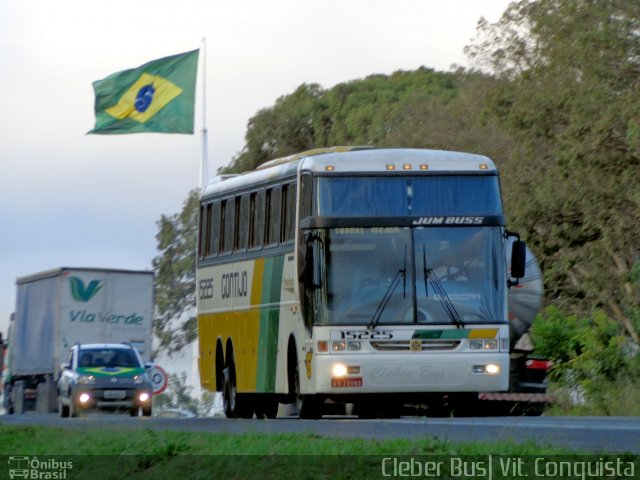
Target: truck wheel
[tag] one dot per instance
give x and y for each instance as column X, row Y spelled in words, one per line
column 309, row 406
column 266, row 407
column 366, row 410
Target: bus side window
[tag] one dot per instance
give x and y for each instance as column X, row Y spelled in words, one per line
column 272, row 217
column 288, row 213
column 222, row 229
column 207, row 230
column 241, row 233
column 229, row 227
column 305, row 195
column 214, row 226
column 201, row 234
column 256, row 203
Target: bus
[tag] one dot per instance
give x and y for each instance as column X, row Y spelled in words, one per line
column 371, row 277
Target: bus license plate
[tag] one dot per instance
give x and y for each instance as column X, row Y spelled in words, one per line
column 114, row 394
column 346, row 382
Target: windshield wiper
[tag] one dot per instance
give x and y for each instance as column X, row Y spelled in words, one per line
column 389, row 293
column 443, row 298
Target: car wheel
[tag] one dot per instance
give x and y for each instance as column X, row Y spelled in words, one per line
column 73, row 410
column 63, row 410
column 133, row 411
column 146, row 411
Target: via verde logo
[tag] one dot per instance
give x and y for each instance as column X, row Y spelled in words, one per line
column 82, row 293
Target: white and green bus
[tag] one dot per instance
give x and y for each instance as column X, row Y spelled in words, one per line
column 372, row 277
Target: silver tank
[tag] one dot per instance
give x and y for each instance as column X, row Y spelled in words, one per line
column 525, row 299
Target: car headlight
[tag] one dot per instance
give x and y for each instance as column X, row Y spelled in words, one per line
column 86, row 379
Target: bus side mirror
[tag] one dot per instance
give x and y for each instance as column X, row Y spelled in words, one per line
column 518, row 259
column 312, row 269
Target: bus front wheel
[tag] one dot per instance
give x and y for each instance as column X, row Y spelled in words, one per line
column 309, row 406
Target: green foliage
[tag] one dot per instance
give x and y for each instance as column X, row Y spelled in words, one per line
column 569, row 98
column 175, row 271
column 592, row 354
column 421, row 108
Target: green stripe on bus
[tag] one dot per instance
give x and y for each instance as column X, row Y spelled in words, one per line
column 269, row 323
column 456, row 334
column 449, row 334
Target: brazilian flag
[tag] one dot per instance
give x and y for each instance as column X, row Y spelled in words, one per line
column 155, row 97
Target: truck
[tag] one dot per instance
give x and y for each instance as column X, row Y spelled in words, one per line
column 528, row 381
column 62, row 307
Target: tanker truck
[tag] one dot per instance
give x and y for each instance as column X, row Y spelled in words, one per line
column 59, row 308
column 528, row 380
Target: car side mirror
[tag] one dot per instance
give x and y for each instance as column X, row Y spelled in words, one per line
column 65, row 366
column 148, row 365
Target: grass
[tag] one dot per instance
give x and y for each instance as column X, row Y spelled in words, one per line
column 609, row 399
column 144, row 453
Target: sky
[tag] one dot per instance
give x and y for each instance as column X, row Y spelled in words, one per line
column 76, row 200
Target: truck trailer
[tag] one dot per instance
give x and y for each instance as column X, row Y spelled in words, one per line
column 59, row 308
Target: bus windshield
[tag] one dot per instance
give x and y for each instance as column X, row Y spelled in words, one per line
column 408, row 196
column 378, row 276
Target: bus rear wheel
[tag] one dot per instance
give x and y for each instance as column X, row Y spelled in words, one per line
column 235, row 405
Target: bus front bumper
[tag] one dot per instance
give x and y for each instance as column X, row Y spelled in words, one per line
column 410, row 373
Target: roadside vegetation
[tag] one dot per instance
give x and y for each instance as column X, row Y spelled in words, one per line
column 144, row 453
column 553, row 98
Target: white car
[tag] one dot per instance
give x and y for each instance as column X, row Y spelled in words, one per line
column 104, row 376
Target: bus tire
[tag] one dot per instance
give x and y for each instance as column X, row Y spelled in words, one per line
column 309, row 406
column 235, row 405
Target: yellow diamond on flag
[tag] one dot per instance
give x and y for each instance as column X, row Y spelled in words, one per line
column 146, row 97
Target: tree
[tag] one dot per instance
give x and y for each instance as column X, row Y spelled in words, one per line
column 175, row 272
column 180, row 395
column 570, row 98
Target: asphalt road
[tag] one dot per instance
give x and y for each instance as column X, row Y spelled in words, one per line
column 588, row 434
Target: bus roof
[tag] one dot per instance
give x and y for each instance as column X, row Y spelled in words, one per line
column 357, row 160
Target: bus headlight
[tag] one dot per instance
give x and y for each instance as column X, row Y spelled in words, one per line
column 492, row 369
column 340, row 346
column 339, row 370
column 478, row 344
column 489, row 369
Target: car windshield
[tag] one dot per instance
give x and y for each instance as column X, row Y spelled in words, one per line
column 107, row 357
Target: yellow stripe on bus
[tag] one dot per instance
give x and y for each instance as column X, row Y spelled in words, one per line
column 483, row 333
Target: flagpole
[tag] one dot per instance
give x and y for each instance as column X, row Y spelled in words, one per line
column 204, row 164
